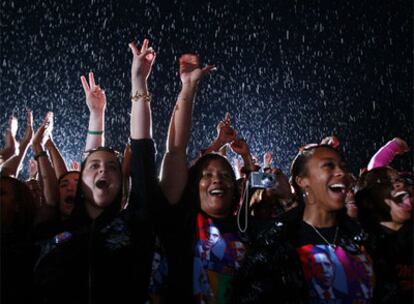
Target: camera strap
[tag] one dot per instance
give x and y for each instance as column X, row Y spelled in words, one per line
column 244, row 209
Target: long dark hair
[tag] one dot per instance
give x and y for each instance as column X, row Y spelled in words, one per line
column 79, row 209
column 24, row 206
column 195, row 174
column 373, row 187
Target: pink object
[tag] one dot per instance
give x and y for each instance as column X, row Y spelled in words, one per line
column 384, row 155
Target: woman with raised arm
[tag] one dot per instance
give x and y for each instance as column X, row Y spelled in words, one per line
column 385, row 209
column 385, row 155
column 104, row 253
column 200, row 233
column 96, row 102
column 313, row 253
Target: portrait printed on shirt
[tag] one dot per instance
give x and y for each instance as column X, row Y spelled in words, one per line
column 335, row 276
column 217, row 258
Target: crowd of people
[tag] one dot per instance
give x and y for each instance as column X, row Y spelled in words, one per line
column 114, row 229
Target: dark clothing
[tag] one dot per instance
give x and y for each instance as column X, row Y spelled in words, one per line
column 178, row 235
column 392, row 252
column 108, row 259
column 17, row 259
column 272, row 271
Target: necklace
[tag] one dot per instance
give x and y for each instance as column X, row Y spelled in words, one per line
column 333, row 244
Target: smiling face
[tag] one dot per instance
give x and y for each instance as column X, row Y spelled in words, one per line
column 101, row 179
column 67, row 192
column 400, row 202
column 325, row 180
column 216, row 189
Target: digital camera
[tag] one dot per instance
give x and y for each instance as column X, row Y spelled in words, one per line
column 262, row 180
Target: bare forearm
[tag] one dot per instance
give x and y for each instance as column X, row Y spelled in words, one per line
column 141, row 110
column 47, row 175
column 180, row 125
column 248, row 162
column 57, row 159
column 215, row 146
column 95, row 137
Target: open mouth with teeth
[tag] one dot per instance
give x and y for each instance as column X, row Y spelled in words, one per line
column 402, row 198
column 338, row 188
column 102, row 184
column 216, row 192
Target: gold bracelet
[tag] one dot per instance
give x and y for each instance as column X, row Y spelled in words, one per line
column 137, row 96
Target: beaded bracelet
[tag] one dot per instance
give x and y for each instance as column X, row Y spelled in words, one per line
column 95, row 132
column 137, row 96
column 40, row 154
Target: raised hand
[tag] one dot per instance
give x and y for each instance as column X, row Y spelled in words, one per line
column 283, row 187
column 190, row 70
column 267, row 159
column 13, row 125
column 42, row 134
column 142, row 61
column 225, row 133
column 95, row 96
column 403, row 145
column 33, row 169
column 28, row 134
column 11, row 145
column 240, row 146
column 332, row 141
column 74, row 166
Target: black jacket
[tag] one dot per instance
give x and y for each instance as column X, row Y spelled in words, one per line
column 392, row 252
column 271, row 271
column 106, row 260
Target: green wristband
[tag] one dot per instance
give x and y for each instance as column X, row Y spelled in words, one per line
column 95, row 132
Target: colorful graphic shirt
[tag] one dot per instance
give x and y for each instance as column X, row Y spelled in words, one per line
column 333, row 274
column 218, row 254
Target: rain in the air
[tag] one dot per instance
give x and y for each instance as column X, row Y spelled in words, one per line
column 287, row 74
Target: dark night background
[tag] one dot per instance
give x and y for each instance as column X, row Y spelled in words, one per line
column 289, row 72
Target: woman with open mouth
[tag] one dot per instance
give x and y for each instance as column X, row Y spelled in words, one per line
column 104, row 253
column 200, row 233
column 314, row 253
column 385, row 204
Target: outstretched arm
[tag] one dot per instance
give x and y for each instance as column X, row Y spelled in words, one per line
column 386, row 153
column 96, row 102
column 174, row 166
column 240, row 146
column 57, row 159
column 142, row 156
column 141, row 111
column 47, row 174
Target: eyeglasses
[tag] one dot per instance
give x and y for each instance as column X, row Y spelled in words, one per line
column 104, row 149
